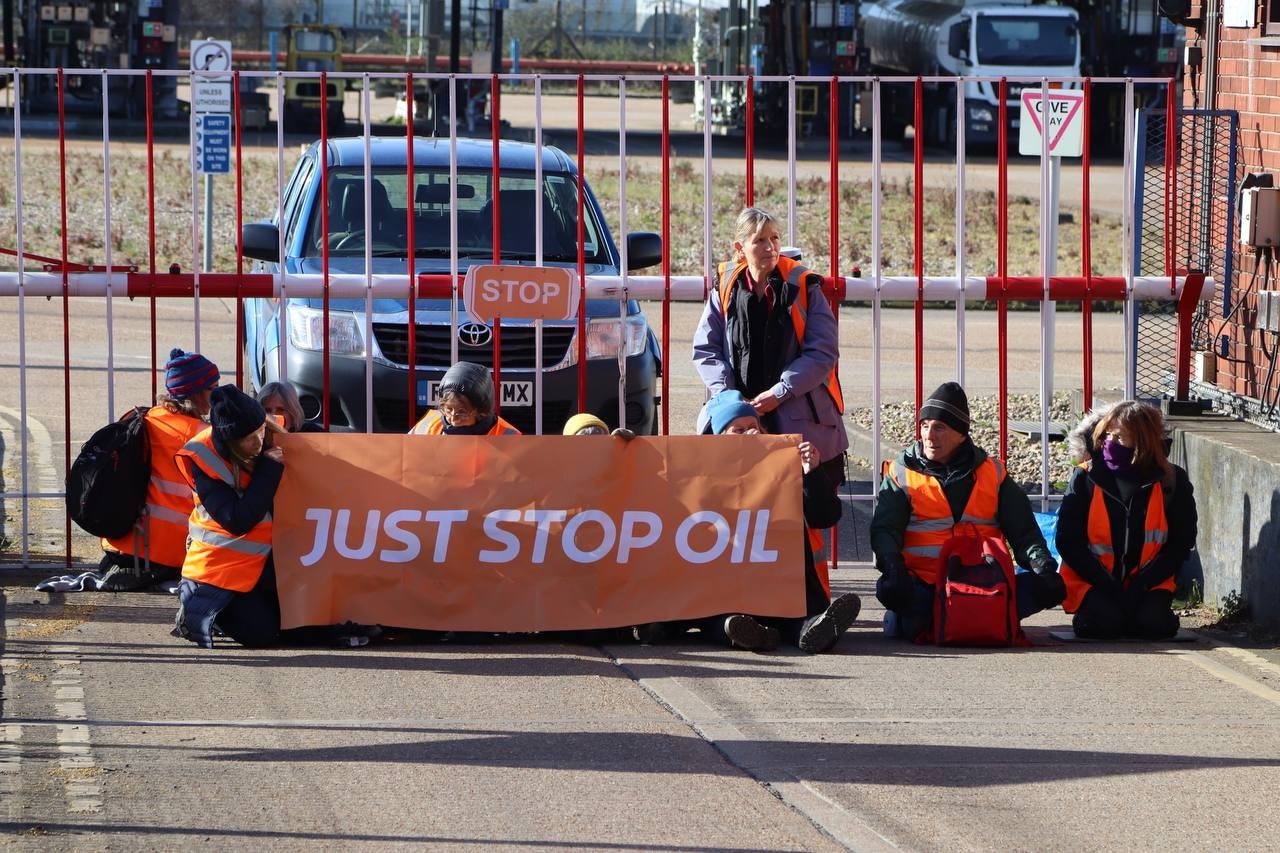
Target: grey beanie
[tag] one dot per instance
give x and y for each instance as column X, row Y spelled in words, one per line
column 473, row 381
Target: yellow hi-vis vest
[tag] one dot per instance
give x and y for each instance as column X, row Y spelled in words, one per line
column 163, row 535
column 1098, row 529
column 794, row 272
column 214, row 555
column 932, row 524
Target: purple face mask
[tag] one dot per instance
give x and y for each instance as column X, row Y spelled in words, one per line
column 1116, row 456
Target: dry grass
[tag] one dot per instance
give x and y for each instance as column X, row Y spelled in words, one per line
column 42, row 180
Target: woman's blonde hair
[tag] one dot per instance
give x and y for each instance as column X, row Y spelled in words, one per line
column 185, row 406
column 289, row 397
column 749, row 223
column 1145, row 426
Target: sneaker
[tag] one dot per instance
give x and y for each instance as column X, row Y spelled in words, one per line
column 745, row 632
column 821, row 632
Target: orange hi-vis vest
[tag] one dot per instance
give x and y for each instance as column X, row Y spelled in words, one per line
column 1098, row 529
column 214, row 555
column 794, row 272
column 932, row 523
column 432, row 423
column 161, row 533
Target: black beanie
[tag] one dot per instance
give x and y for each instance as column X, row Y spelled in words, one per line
column 948, row 404
column 473, row 381
column 233, row 413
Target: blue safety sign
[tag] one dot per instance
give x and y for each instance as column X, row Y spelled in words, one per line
column 213, row 143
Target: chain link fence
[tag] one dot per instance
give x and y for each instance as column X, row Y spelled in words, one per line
column 1203, row 221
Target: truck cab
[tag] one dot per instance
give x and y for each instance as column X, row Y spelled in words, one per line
column 312, row 47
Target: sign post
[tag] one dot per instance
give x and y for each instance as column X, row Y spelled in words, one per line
column 210, row 122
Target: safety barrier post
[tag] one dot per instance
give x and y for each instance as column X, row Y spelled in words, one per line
column 622, row 267
column 151, row 223
column 106, row 241
column 66, row 302
column 918, row 224
column 666, row 256
column 324, row 236
column 22, row 317
column 960, row 232
column 877, row 271
column 582, row 252
column 1086, row 254
column 750, row 133
column 411, row 251
column 833, row 200
column 538, row 225
column 497, row 237
column 365, row 104
column 1170, row 169
column 1188, row 301
column 1002, row 263
column 237, row 113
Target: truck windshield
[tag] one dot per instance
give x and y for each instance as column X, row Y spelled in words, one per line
column 473, row 200
column 1026, row 40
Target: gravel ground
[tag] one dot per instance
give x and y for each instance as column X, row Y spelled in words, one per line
column 897, row 426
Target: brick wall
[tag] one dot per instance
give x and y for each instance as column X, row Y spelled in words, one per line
column 1248, row 78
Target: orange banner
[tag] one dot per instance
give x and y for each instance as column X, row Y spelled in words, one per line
column 536, row 533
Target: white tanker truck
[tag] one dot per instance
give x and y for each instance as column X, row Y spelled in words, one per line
column 975, row 39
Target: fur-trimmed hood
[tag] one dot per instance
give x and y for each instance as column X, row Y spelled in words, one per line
column 1081, row 439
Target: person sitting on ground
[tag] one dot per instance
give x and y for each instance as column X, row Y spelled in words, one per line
column 936, row 488
column 465, row 405
column 827, row 619
column 281, row 401
column 228, row 575
column 154, row 552
column 1127, row 523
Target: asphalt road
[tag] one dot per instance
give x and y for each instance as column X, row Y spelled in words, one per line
column 117, row 736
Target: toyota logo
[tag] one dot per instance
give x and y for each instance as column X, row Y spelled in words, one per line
column 474, row 334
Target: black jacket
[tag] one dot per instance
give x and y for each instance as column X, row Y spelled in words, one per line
column 238, row 512
column 1128, row 524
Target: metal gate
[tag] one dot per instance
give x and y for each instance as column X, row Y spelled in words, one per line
column 1194, row 232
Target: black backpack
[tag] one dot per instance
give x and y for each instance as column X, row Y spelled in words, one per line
column 107, row 484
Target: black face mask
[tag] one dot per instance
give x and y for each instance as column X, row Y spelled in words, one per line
column 480, row 427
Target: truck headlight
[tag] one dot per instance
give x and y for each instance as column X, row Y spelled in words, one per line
column 981, row 114
column 606, row 337
column 306, row 331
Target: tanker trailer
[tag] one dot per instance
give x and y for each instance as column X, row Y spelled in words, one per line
column 984, row 39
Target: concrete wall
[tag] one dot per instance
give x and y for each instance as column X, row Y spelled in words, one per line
column 1235, row 469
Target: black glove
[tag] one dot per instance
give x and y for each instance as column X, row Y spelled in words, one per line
column 1044, row 565
column 895, row 586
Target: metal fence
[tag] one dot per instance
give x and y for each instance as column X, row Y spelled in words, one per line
column 65, row 303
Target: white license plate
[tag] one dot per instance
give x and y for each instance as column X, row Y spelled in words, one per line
column 514, row 392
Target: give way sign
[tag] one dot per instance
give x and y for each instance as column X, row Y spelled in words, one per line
column 1065, row 111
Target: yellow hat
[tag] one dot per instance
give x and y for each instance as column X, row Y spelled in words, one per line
column 581, row 421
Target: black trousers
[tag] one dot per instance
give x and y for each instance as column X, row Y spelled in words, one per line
column 1147, row 614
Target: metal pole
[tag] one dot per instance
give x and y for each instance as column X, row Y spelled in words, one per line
column 208, row 223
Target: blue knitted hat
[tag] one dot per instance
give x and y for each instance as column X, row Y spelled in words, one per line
column 187, row 373
column 725, row 408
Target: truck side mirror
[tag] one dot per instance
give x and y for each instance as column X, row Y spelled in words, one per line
column 261, row 240
column 644, row 249
column 956, row 43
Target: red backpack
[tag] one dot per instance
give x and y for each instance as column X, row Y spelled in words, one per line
column 975, row 601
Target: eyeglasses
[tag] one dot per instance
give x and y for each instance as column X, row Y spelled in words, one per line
column 453, row 414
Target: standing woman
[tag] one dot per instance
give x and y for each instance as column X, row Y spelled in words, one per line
column 1127, row 523
column 228, row 575
column 768, row 332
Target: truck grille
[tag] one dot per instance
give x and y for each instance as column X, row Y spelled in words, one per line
column 434, row 344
